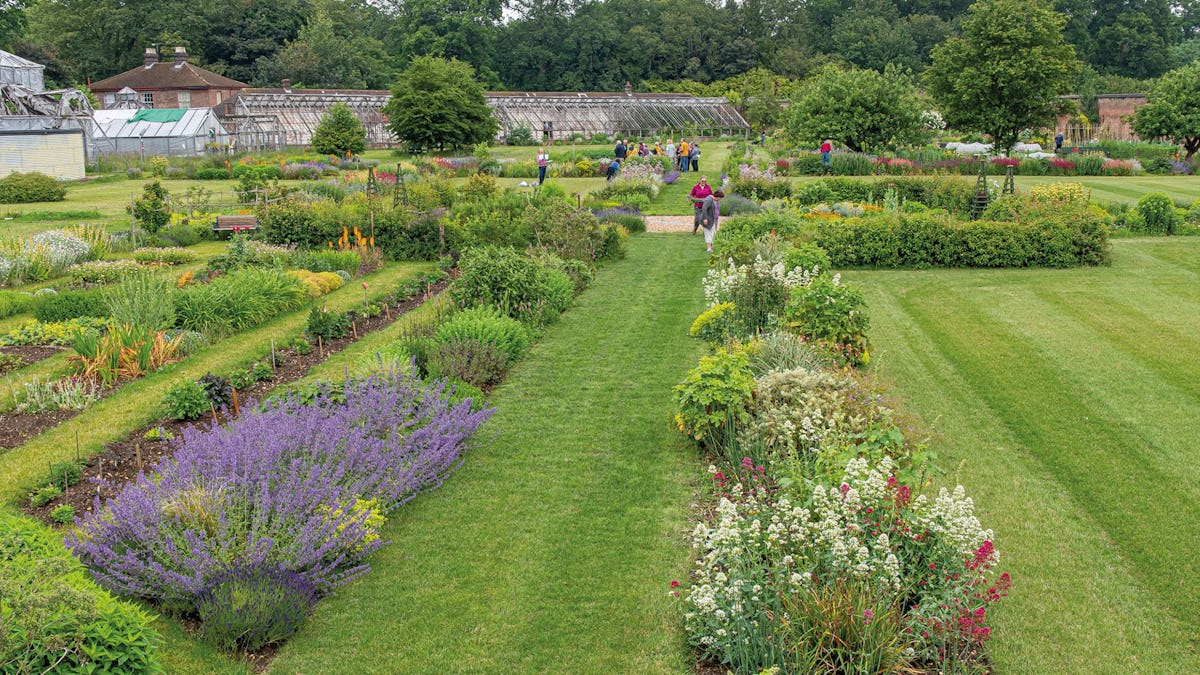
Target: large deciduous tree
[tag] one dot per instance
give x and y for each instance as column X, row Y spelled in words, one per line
column 1006, row 71
column 339, row 132
column 863, row 109
column 438, row 103
column 1172, row 109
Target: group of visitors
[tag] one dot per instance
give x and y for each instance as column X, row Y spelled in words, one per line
column 684, row 157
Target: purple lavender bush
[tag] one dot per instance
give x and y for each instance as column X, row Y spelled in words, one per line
column 294, row 486
column 252, row 607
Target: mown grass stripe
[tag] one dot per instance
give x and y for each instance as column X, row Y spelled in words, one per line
column 551, row 549
column 1072, row 587
column 1107, row 469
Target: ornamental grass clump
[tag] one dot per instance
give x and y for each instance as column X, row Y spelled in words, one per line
column 282, row 487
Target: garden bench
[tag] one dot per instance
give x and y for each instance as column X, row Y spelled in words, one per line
column 231, row 223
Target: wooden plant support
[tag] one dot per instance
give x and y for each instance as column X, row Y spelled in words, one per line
column 236, row 411
column 213, row 408
column 320, row 347
column 387, row 309
column 272, row 353
column 137, row 455
column 354, row 328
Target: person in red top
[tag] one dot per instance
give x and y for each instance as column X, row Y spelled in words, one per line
column 826, row 150
column 699, row 192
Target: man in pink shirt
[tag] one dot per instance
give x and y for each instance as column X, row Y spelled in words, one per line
column 699, row 192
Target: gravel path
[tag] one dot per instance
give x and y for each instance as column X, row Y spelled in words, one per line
column 668, row 223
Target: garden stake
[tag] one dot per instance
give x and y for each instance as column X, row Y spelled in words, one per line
column 100, row 470
column 387, row 309
column 272, row 353
column 354, row 327
column 236, row 412
column 77, row 445
column 320, row 347
column 137, row 454
column 213, row 408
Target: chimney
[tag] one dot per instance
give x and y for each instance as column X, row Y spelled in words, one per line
column 150, row 57
column 628, row 88
column 287, row 84
column 180, row 56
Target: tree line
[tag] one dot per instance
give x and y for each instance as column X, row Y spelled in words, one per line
column 565, row 45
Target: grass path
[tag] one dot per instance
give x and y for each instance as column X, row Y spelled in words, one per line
column 1066, row 403
column 551, row 549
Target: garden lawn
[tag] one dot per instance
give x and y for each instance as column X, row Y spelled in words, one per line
column 1066, row 402
column 552, row 548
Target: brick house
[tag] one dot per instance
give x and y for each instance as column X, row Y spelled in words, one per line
column 159, row 84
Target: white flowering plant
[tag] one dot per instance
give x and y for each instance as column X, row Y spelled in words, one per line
column 764, row 549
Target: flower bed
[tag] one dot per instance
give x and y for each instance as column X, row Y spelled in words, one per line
column 815, row 550
column 296, row 491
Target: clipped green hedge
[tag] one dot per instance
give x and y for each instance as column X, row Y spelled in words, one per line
column 32, row 187
column 53, row 618
column 1069, row 238
column 953, row 193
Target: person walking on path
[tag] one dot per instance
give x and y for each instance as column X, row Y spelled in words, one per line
column 620, row 151
column 1058, row 142
column 710, row 212
column 543, row 161
column 826, row 151
column 658, row 151
column 671, row 151
column 694, row 156
column 699, row 192
column 684, row 152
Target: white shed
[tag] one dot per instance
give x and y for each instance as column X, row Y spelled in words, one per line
column 16, row 70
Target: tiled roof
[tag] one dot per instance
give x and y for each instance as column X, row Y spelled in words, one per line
column 166, row 75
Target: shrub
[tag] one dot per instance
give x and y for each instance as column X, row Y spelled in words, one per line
column 1049, row 236
column 1158, row 213
column 250, row 607
column 516, row 284
column 58, row 620
column 211, row 173
column 468, row 359
column 326, row 325
column 217, row 389
column 238, row 300
column 143, row 300
column 831, row 314
column 327, row 260
column 150, row 210
column 294, row 486
column 807, row 256
column 14, row 303
column 44, row 495
column 716, row 324
column 630, row 219
column 851, row 164
column 814, row 192
column 480, row 187
column 63, row 514
column 714, row 394
column 487, row 324
column 69, row 305
column 186, row 401
column 739, row 234
column 734, row 205
column 26, row 188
